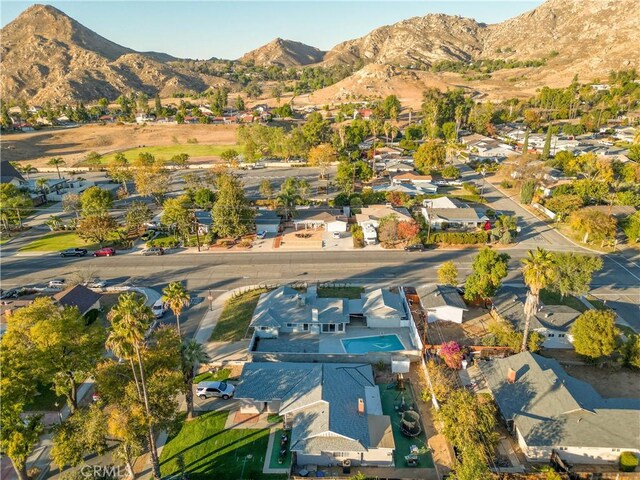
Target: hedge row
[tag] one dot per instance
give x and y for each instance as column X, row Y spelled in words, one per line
column 459, row 238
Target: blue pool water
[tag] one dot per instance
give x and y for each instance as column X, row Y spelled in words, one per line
column 381, row 343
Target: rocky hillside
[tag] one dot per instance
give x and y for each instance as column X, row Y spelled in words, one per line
column 47, row 55
column 416, row 41
column 283, row 53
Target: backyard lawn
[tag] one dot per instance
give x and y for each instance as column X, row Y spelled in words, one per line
column 212, row 377
column 553, row 298
column 165, row 152
column 236, row 315
column 352, row 293
column 210, row 452
column 54, row 242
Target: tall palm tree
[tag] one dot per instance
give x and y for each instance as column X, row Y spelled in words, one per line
column 193, row 354
column 289, row 197
column 56, row 162
column 176, row 297
column 130, row 319
column 27, row 169
column 43, row 186
column 538, row 272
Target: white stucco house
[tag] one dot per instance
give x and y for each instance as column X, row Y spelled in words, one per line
column 383, row 308
column 320, row 219
column 334, row 410
column 442, row 302
column 548, row 410
column 444, row 212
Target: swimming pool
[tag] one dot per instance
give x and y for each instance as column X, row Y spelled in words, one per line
column 380, row 343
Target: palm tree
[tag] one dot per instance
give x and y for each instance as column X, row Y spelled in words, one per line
column 43, row 186
column 56, row 162
column 538, row 272
column 193, row 354
column 289, row 197
column 176, row 297
column 130, row 319
column 28, row 168
column 54, row 223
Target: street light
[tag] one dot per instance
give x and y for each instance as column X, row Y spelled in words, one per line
column 210, row 298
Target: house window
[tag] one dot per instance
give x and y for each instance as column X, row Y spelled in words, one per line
column 341, row 327
column 340, row 454
column 561, row 335
column 329, row 327
column 615, row 449
column 305, row 327
column 291, row 325
column 551, row 335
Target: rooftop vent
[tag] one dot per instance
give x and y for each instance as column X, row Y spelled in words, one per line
column 511, row 375
column 360, row 406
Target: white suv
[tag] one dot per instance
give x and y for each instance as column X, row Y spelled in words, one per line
column 223, row 390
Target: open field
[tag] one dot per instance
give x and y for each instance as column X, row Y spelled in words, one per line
column 73, row 144
column 165, row 152
column 236, row 316
column 54, row 242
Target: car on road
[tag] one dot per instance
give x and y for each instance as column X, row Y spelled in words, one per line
column 153, row 251
column 158, row 309
column 105, row 252
column 57, row 283
column 416, row 247
column 95, row 283
column 261, row 234
column 74, row 252
column 11, row 293
column 222, row 390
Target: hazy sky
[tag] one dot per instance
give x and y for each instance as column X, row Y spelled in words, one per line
column 224, row 29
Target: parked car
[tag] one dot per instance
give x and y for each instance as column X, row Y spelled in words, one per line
column 105, row 252
column 152, row 225
column 336, row 235
column 11, row 293
column 223, row 390
column 416, row 247
column 74, row 252
column 153, row 251
column 57, row 283
column 95, row 283
column 261, row 234
column 149, row 235
column 158, row 309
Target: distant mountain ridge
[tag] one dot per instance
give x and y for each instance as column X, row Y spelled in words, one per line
column 46, row 55
column 283, row 53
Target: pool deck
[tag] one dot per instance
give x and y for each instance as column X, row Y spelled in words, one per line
column 327, row 343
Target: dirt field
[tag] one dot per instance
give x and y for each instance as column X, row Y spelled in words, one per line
column 476, row 321
column 73, row 144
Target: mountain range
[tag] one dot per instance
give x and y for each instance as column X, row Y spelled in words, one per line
column 47, row 55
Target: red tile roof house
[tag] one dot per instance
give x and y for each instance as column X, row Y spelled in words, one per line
column 79, row 296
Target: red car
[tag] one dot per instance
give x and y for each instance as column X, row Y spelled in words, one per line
column 104, row 252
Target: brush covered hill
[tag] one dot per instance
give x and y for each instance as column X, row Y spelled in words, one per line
column 283, row 53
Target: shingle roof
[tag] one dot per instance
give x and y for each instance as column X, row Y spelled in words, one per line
column 434, row 296
column 455, row 214
column 382, row 301
column 509, row 304
column 323, row 398
column 8, row 172
column 376, row 212
column 551, row 408
column 77, row 296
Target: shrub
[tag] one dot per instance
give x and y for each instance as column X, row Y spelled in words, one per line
column 358, row 236
column 506, row 184
column 628, row 461
column 451, row 354
column 459, row 238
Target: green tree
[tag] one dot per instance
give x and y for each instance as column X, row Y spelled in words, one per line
column 345, row 177
column 266, row 189
column 289, row 196
column 96, row 201
column 631, row 350
column 157, row 106
column 150, row 178
column 631, row 227
column 538, row 271
column 176, row 213
column 525, row 144
column 448, row 273
column 230, row 156
column 547, row 144
column 14, row 204
column 72, row 203
column 504, row 335
column 57, row 162
column 595, row 334
column 472, row 464
column 204, row 198
column 192, row 354
column 138, row 213
column 468, row 419
column 322, row 156
column 573, row 273
column 239, row 104
column 593, row 225
column 450, row 172
column 176, row 297
column 232, row 215
column 180, row 160
column 96, row 228
column 82, row 434
column 253, row 90
column 527, row 191
column 488, row 269
column 430, row 155
column 93, row 159
column 563, row 205
column 391, row 107
column 119, row 170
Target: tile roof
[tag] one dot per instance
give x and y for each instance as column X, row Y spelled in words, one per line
column 434, row 296
column 77, row 296
column 551, row 408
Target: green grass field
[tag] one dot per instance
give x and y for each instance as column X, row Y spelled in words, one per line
column 165, row 152
column 549, row 297
column 55, row 242
column 211, row 452
column 235, row 317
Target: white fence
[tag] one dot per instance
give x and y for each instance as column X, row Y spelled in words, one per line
column 544, row 210
column 75, row 187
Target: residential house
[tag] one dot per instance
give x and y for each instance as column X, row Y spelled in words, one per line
column 334, row 410
column 369, row 219
column 412, row 178
column 204, row 221
column 331, row 221
column 146, row 117
column 459, row 215
column 411, row 190
column 397, row 164
column 267, row 221
column 285, row 310
column 9, row 174
column 552, row 322
column 548, row 410
column 79, row 296
column 363, row 113
column 383, row 308
column 484, row 146
column 442, row 302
